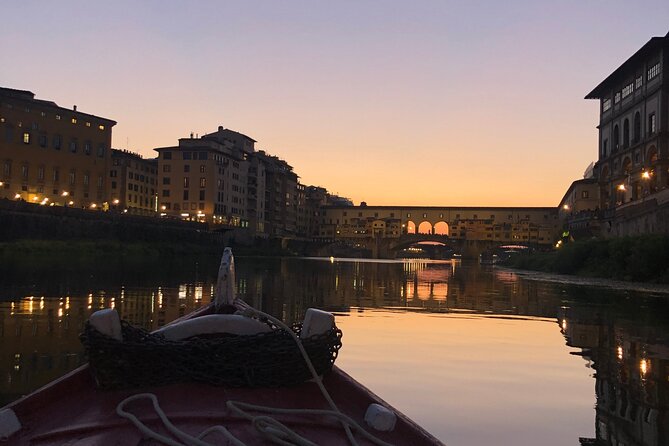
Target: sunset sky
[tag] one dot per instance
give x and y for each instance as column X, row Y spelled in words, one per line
column 393, row 103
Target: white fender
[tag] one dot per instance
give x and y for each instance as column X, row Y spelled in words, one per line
column 380, row 418
column 9, row 423
column 316, row 322
column 107, row 322
column 212, row 324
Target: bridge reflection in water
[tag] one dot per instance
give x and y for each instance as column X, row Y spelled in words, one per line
column 624, row 341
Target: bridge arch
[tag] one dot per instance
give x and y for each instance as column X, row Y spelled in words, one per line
column 411, row 227
column 425, row 228
column 441, row 228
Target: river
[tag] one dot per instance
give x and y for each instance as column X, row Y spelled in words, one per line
column 476, row 355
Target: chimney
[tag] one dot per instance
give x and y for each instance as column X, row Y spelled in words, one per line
column 220, row 128
column 74, row 108
column 191, row 135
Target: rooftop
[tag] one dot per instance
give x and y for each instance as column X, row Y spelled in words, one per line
column 623, row 71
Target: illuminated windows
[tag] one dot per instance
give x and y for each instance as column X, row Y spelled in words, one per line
column 26, row 138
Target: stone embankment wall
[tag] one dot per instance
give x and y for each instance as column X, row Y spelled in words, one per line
column 640, row 218
column 21, row 220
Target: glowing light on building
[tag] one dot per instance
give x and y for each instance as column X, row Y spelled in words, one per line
column 65, row 193
column 620, row 353
column 644, row 366
column 621, row 187
column 645, row 175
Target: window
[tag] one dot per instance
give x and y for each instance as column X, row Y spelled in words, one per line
column 40, row 173
column 626, row 133
column 42, row 140
column 166, row 192
column 129, row 186
column 72, row 177
column 202, row 195
column 167, row 168
column 101, row 151
column 166, row 180
column 56, row 174
column 87, row 147
column 100, row 181
column 26, row 138
column 57, row 117
column 628, row 89
column 86, row 179
column 73, row 146
column 88, row 124
column 113, row 184
column 24, row 171
column 202, row 155
column 202, row 168
column 637, row 127
column 616, row 98
column 186, row 167
column 638, row 83
column 203, row 182
column 616, row 137
column 74, row 120
column 185, row 195
column 605, row 147
column 652, row 123
column 654, row 71
column 585, row 194
column 167, row 155
column 187, row 155
column 186, row 181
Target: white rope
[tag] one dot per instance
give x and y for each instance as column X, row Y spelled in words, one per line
column 267, row 426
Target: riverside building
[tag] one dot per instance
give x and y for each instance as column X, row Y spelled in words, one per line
column 205, row 179
column 52, row 155
column 634, row 127
column 132, row 182
column 626, row 191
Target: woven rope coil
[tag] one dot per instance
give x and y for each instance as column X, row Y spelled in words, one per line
column 263, row 360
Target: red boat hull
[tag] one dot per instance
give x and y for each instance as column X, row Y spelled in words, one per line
column 72, row 411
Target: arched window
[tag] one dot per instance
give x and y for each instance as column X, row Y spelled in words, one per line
column 637, row 127
column 626, row 133
column 616, row 138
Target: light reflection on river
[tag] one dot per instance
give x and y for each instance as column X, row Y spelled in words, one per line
column 476, row 356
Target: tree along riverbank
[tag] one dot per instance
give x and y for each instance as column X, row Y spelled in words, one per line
column 639, row 259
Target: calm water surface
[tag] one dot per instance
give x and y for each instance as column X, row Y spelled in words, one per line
column 476, row 356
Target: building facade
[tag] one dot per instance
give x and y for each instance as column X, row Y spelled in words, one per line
column 52, row 155
column 133, row 183
column 633, row 155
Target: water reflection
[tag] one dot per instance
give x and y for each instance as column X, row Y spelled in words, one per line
column 631, row 358
column 622, row 337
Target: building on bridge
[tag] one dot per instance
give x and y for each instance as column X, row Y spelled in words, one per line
column 632, row 169
column 527, row 225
